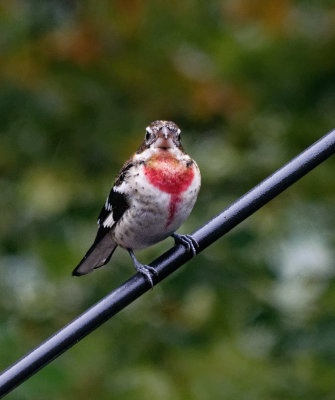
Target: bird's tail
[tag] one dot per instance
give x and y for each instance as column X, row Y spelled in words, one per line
column 98, row 255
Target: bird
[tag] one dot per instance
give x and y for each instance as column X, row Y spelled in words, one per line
column 152, row 196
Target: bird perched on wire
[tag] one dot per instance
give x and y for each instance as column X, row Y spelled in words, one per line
column 152, row 196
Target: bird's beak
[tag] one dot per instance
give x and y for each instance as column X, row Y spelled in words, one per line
column 165, row 132
column 164, row 140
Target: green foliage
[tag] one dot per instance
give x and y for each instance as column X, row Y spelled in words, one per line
column 251, row 84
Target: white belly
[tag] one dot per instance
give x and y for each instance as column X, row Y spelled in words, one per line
column 148, row 219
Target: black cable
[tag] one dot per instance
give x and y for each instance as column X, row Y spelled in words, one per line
column 167, row 263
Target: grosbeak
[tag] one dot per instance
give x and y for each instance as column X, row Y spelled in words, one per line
column 152, row 196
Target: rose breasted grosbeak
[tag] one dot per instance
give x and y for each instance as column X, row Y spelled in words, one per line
column 152, row 196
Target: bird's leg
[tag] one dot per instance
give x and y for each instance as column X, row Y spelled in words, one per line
column 188, row 241
column 145, row 270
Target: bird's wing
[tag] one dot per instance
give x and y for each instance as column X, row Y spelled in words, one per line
column 103, row 247
column 116, row 203
column 115, row 206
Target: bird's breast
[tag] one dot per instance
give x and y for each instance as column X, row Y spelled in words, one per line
column 168, row 174
column 161, row 196
column 171, row 176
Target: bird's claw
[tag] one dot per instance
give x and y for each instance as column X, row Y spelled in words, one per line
column 188, row 241
column 147, row 271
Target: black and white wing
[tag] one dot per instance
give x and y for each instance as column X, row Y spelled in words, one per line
column 103, row 247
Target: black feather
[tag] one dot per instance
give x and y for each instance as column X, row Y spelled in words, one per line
column 123, row 173
column 117, row 204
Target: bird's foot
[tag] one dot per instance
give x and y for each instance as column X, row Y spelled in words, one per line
column 188, row 241
column 146, row 270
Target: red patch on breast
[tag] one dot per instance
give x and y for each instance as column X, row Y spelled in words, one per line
column 170, row 176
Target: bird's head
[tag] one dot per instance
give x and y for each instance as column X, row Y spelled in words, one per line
column 163, row 135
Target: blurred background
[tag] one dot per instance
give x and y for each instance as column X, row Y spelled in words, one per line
column 251, row 84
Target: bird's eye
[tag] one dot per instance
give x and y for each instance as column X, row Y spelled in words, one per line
column 147, row 136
